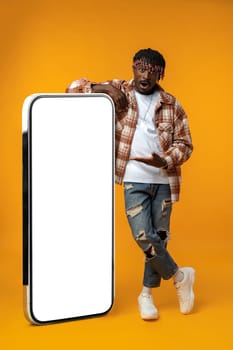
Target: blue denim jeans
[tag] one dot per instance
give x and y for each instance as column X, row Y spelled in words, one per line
column 148, row 209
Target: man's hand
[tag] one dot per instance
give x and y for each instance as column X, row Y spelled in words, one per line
column 154, row 160
column 117, row 95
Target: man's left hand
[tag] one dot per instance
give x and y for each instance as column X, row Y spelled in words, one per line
column 153, row 160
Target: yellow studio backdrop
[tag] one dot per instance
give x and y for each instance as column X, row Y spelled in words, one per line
column 44, row 46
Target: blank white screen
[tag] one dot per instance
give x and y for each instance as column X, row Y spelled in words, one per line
column 72, row 199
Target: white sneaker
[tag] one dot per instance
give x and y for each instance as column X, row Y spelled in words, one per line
column 147, row 309
column 184, row 290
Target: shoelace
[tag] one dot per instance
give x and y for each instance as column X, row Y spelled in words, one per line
column 180, row 294
column 147, row 298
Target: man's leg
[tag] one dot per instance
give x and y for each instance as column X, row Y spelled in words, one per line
column 161, row 213
column 149, row 221
column 138, row 204
column 158, row 258
column 184, row 277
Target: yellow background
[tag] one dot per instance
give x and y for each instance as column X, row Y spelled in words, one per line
column 46, row 44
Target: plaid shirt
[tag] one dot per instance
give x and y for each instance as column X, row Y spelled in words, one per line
column 171, row 124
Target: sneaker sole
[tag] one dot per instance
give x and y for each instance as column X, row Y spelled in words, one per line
column 148, row 318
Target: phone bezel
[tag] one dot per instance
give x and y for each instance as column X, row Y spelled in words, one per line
column 27, row 203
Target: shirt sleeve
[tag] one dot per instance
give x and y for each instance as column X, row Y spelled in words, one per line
column 181, row 147
column 84, row 85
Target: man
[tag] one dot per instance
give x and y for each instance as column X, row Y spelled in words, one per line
column 152, row 142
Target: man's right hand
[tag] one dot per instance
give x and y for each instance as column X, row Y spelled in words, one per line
column 117, row 95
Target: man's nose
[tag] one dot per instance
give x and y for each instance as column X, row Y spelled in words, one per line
column 146, row 74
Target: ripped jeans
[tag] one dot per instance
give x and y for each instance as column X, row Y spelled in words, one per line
column 148, row 209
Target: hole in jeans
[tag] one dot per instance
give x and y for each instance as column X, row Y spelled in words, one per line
column 132, row 212
column 150, row 252
column 141, row 236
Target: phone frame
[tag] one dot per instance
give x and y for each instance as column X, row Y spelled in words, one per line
column 27, row 203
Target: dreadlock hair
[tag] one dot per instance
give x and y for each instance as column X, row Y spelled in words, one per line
column 151, row 58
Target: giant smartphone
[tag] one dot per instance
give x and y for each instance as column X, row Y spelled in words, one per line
column 68, row 206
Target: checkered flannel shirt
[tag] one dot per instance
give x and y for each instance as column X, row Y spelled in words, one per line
column 171, row 124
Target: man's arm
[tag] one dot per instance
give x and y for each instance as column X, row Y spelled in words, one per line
column 116, row 94
column 85, row 86
column 153, row 160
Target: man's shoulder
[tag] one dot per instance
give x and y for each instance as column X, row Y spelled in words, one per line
column 167, row 97
column 171, row 102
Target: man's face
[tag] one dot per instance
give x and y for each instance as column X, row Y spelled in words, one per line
column 145, row 79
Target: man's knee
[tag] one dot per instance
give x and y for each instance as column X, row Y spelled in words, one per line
column 158, row 238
